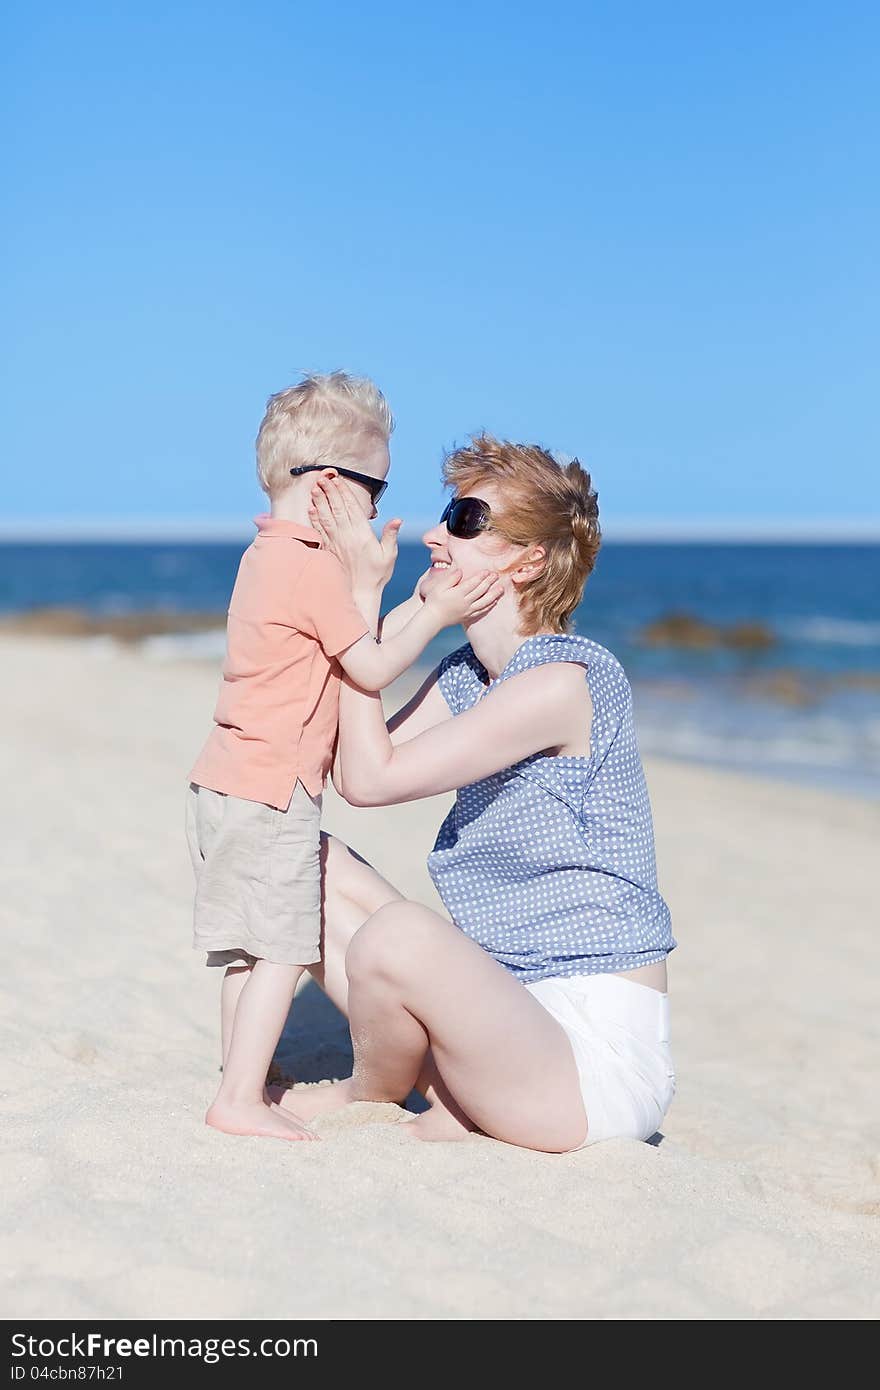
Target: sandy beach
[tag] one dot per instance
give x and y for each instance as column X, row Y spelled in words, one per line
column 760, row 1200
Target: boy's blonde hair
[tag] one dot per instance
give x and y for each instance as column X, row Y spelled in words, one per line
column 318, row 421
column 544, row 503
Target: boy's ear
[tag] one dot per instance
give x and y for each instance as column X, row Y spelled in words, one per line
column 530, row 566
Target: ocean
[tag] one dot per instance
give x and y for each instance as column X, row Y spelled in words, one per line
column 764, row 657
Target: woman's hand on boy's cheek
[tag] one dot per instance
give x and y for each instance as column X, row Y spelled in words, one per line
column 320, row 515
column 345, row 529
column 338, row 508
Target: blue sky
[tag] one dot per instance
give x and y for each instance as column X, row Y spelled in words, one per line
column 642, row 234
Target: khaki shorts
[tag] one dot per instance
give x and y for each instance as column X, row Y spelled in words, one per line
column 258, row 877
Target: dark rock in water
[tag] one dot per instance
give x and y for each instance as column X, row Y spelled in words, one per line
column 681, row 630
column 125, row 627
column 860, row 680
column 787, row 687
column 749, row 637
column 684, row 630
column 48, row 622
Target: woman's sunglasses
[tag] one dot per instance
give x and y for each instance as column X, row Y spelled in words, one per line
column 466, row 517
column 375, row 486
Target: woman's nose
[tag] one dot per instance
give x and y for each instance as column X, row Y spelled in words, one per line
column 436, row 535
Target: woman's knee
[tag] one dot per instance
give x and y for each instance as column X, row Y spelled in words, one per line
column 387, row 943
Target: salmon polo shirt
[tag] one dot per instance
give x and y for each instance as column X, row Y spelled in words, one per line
column 290, row 614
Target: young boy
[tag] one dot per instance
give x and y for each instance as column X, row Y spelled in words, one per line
column 254, row 801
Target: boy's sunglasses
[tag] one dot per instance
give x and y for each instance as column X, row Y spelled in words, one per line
column 466, row 517
column 376, row 486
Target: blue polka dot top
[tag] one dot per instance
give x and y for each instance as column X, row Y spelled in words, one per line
column 549, row 865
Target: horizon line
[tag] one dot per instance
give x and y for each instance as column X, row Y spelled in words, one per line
column 125, row 530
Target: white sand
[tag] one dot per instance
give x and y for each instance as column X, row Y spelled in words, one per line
column 761, row 1201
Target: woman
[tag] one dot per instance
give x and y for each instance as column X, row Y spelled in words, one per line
column 539, row 1014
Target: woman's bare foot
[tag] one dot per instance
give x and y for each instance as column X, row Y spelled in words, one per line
column 439, row 1125
column 308, row 1101
column 252, row 1117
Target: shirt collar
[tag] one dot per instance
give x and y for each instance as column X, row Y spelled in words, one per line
column 274, row 526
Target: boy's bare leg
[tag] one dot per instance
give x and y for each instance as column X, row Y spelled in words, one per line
column 234, row 981
column 262, row 1007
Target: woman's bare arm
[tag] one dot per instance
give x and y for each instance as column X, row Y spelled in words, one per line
column 425, row 710
column 534, row 712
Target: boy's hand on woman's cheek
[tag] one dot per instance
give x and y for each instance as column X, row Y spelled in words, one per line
column 429, row 581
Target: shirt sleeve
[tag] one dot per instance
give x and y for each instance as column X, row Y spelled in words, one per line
column 455, row 679
column 325, row 607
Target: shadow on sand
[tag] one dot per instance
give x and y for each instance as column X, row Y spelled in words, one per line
column 316, row 1043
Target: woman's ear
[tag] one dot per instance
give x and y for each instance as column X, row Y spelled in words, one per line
column 530, row 566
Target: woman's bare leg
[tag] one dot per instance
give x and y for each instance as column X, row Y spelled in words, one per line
column 417, row 982
column 351, row 891
column 445, row 1119
column 354, row 891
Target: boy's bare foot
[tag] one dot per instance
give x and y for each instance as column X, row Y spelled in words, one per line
column 257, row 1119
column 438, row 1125
column 309, row 1101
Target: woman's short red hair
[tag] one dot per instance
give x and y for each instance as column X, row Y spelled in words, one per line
column 544, row 503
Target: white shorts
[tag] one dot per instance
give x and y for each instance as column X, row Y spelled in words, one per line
column 619, row 1034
